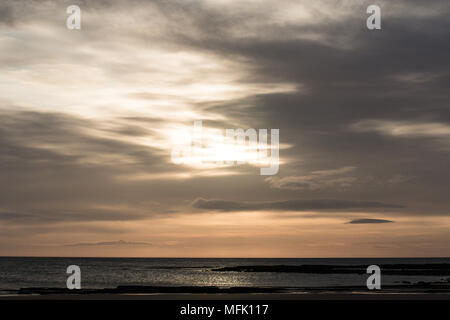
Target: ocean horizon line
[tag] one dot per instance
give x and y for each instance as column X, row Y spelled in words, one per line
column 132, row 257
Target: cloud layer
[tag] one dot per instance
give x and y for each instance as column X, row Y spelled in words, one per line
column 88, row 119
column 369, row 221
column 289, row 205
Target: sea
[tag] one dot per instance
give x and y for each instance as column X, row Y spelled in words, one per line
column 30, row 272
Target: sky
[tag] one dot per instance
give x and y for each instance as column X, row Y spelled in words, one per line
column 89, row 120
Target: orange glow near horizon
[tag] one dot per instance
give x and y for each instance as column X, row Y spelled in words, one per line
column 242, row 234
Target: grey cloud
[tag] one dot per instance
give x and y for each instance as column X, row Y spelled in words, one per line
column 83, row 213
column 439, row 132
column 110, row 243
column 6, row 14
column 289, row 205
column 369, row 221
column 316, row 180
column 407, row 129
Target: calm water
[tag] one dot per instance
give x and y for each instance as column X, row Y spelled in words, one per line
column 17, row 273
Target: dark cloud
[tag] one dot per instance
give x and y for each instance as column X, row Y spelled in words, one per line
column 6, row 14
column 83, row 213
column 369, row 221
column 289, row 205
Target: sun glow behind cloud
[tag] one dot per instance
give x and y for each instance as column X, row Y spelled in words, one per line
column 205, row 148
column 92, row 80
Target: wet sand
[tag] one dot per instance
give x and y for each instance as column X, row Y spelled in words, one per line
column 237, row 297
